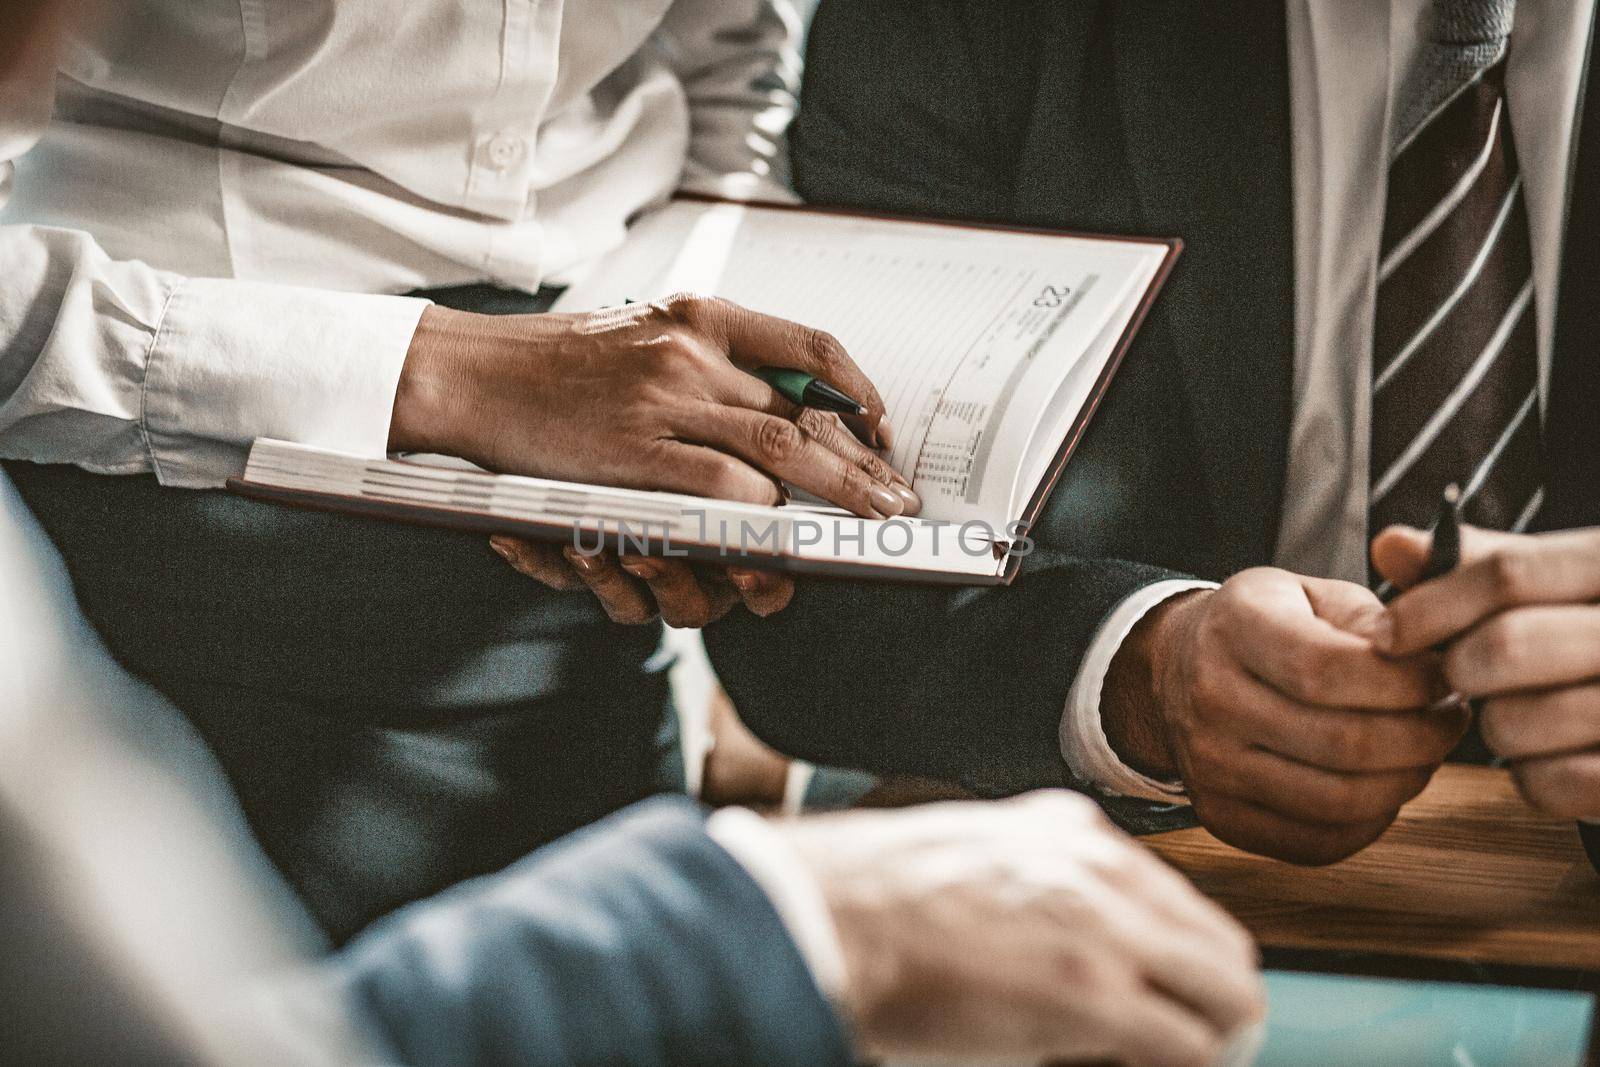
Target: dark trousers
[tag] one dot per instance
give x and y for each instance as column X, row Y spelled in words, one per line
column 397, row 709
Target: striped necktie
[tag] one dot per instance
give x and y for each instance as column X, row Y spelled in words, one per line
column 1455, row 358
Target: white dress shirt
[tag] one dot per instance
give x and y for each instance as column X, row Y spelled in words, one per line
column 192, row 246
column 1346, row 61
column 205, row 218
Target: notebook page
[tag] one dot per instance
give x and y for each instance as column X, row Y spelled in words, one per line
column 966, row 333
column 1069, row 397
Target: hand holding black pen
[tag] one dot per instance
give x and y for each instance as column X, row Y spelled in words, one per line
column 1444, row 555
column 1517, row 622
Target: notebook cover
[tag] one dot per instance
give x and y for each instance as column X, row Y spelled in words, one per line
column 462, row 520
column 561, row 533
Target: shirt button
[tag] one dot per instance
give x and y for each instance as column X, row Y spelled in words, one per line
column 503, row 150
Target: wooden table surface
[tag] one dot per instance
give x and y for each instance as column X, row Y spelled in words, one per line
column 1467, row 873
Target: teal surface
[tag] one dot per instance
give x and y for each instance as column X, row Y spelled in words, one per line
column 1334, row 1021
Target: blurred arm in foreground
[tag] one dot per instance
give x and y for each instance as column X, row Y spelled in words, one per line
column 1025, row 930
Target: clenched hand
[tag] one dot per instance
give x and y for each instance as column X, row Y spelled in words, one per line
column 1521, row 627
column 1295, row 736
column 1027, row 930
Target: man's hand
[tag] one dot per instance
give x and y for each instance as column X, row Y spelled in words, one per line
column 1522, row 632
column 649, row 396
column 1027, row 930
column 1295, row 737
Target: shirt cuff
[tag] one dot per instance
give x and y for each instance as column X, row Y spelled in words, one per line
column 775, row 866
column 233, row 361
column 1083, row 737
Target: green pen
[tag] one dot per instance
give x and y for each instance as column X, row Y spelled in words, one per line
column 798, row 387
column 807, row 391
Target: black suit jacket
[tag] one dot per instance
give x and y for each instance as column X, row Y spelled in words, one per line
column 1161, row 117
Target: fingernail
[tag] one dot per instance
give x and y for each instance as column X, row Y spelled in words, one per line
column 744, row 581
column 588, row 563
column 645, row 569
column 885, row 501
column 908, row 497
column 500, row 548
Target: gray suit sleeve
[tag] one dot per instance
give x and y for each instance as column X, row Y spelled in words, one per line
column 637, row 941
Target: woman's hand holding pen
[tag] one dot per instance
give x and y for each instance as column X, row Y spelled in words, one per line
column 647, row 396
column 1520, row 626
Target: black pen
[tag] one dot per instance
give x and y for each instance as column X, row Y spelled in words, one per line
column 1445, row 555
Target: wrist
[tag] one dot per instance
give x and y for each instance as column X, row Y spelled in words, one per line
column 432, row 391
column 1142, row 680
column 854, row 899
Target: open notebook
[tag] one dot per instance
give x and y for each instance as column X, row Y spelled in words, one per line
column 991, row 348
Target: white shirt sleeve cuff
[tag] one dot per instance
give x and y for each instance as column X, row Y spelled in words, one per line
column 761, row 850
column 233, row 361
column 1088, row 753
